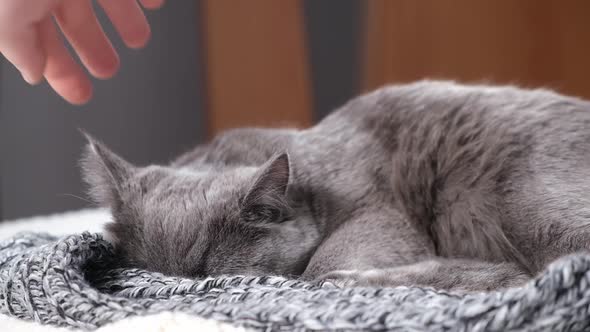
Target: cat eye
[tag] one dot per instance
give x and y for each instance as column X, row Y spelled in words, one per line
column 263, row 213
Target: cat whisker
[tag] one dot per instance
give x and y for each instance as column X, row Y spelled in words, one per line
column 78, row 197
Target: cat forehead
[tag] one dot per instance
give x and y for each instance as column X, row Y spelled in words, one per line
column 187, row 202
column 191, row 185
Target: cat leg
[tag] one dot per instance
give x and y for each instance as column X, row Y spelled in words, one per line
column 448, row 274
column 372, row 239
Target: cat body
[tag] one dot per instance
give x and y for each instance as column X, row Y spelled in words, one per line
column 430, row 184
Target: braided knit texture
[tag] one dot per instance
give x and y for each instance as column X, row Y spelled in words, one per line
column 68, row 282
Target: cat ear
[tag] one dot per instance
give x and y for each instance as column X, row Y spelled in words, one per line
column 104, row 171
column 270, row 186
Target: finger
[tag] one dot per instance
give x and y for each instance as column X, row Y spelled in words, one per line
column 26, row 11
column 152, row 4
column 62, row 72
column 78, row 22
column 129, row 20
column 22, row 48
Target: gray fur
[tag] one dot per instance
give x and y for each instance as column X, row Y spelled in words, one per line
column 431, row 184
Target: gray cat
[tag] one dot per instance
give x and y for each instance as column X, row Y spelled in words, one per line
column 465, row 188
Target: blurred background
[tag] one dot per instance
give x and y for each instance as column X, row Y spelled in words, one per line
column 217, row 64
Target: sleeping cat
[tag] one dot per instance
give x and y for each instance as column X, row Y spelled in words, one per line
column 465, row 188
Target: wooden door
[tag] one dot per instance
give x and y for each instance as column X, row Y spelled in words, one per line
column 527, row 42
column 256, row 64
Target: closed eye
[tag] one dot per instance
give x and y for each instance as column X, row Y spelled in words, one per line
column 263, row 213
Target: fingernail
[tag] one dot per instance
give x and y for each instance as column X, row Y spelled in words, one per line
column 30, row 80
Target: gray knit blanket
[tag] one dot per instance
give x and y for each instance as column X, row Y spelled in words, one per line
column 73, row 282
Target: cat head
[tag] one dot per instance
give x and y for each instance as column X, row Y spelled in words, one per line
column 219, row 220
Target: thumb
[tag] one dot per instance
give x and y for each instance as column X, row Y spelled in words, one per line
column 22, row 47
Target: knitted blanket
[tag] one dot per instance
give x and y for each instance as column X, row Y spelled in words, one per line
column 71, row 282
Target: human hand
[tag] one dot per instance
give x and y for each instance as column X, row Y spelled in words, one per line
column 29, row 39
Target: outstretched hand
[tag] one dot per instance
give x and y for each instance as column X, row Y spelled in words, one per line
column 29, row 39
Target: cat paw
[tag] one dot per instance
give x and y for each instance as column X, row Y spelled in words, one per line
column 351, row 278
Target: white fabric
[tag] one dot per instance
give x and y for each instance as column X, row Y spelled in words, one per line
column 163, row 322
column 58, row 224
